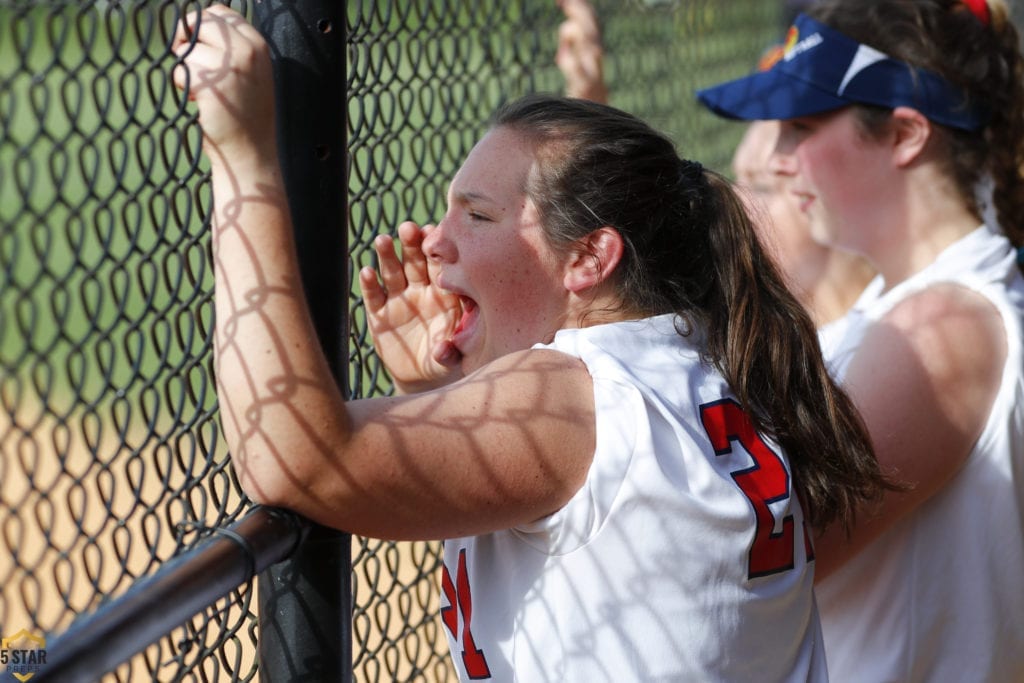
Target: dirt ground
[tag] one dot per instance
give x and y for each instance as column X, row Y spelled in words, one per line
column 85, row 508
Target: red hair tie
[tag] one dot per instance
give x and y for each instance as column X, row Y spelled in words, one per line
column 979, row 8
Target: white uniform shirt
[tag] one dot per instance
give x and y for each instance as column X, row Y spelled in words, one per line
column 940, row 596
column 645, row 575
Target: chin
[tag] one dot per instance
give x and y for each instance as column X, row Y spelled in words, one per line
column 471, row 363
column 821, row 233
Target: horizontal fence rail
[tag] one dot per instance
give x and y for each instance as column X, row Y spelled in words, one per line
column 97, row 643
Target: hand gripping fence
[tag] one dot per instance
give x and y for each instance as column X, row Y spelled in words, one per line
column 103, row 237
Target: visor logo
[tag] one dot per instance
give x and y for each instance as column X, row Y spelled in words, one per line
column 865, row 57
column 795, row 46
column 791, row 37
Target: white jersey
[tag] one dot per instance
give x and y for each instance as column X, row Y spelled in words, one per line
column 940, row 596
column 682, row 558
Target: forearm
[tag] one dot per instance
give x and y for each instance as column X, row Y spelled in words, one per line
column 279, row 405
column 275, row 389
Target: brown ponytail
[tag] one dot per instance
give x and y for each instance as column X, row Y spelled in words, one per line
column 767, row 347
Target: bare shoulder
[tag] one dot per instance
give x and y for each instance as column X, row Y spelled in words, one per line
column 954, row 331
column 941, row 300
column 534, row 374
column 925, row 377
column 505, row 445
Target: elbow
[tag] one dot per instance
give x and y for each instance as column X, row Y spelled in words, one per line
column 266, row 481
column 265, row 489
column 261, row 494
column 270, row 469
column 282, row 462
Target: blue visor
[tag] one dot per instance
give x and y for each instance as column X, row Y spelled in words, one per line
column 822, row 70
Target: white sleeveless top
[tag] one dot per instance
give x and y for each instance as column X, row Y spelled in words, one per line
column 940, row 596
column 655, row 570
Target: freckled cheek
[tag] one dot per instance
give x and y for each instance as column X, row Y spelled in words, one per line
column 516, row 287
column 825, row 162
column 518, row 293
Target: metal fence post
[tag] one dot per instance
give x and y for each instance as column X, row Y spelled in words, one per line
column 305, row 602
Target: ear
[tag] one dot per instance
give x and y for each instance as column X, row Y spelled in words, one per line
column 912, row 131
column 594, row 258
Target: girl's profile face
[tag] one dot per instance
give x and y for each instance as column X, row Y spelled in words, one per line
column 841, row 178
column 781, row 226
column 491, row 250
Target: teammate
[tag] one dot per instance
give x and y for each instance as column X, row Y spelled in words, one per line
column 826, row 281
column 899, row 120
column 621, row 468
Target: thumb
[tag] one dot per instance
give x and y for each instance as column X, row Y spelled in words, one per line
column 446, row 355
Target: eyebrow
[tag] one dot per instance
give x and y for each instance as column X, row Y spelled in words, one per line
column 470, row 196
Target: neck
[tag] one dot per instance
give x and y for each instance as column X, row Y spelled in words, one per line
column 595, row 307
column 923, row 247
column 930, row 217
column 837, row 287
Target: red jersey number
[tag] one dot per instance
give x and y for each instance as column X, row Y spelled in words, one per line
column 767, row 481
column 458, row 593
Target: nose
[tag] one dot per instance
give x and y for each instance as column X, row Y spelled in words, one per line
column 782, row 160
column 436, row 243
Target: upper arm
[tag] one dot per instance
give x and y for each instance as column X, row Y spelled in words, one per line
column 923, row 379
column 506, row 445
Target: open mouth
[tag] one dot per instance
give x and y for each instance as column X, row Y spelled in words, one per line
column 804, row 200
column 469, row 315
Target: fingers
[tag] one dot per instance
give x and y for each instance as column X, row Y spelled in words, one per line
column 446, row 355
column 412, row 269
column 224, row 65
column 392, row 275
column 223, row 24
column 582, row 18
column 185, row 30
column 232, row 28
column 198, row 54
column 415, row 261
column 580, row 53
column 374, row 295
column 206, row 39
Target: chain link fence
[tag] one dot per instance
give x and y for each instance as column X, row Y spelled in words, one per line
column 111, row 459
column 111, row 453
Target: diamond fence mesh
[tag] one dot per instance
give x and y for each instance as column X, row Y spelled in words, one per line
column 111, row 459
